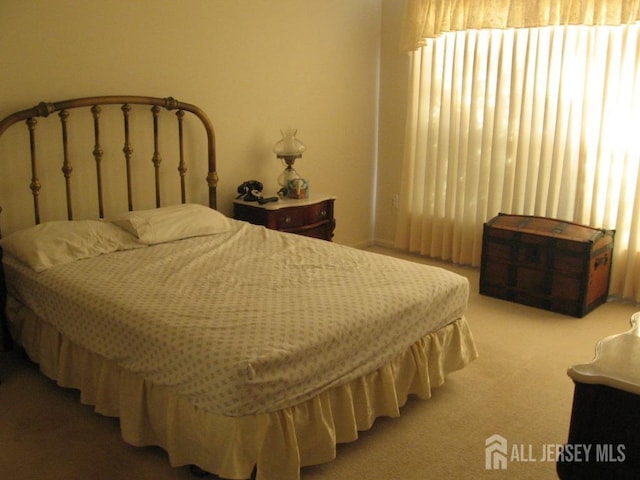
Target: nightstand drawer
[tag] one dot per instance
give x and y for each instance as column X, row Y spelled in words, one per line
column 300, row 216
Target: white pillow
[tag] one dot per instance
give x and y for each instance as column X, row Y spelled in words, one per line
column 176, row 222
column 54, row 243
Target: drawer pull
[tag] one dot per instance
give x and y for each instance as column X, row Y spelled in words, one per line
column 287, row 219
column 323, row 213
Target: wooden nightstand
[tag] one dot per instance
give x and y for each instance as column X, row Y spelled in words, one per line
column 312, row 217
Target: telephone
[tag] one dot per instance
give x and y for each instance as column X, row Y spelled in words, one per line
column 251, row 190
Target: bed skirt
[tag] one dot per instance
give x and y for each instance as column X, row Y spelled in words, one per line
column 279, row 443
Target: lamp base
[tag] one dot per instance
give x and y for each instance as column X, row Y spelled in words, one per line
column 288, row 174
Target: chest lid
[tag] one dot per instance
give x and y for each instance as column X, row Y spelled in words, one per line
column 548, row 227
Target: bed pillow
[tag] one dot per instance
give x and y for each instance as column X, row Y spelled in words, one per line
column 175, row 222
column 58, row 242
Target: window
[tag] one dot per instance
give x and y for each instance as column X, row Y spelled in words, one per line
column 537, row 121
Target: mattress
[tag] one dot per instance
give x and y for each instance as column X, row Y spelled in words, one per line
column 244, row 322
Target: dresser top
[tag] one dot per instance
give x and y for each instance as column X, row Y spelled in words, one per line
column 616, row 363
column 288, row 202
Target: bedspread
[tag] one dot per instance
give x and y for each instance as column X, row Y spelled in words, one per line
column 244, row 322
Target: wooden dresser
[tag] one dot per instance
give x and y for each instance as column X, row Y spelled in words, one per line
column 605, row 415
column 312, row 217
column 543, row 262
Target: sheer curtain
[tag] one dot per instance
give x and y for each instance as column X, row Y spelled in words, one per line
column 539, row 121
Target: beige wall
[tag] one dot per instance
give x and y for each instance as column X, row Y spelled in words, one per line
column 394, row 78
column 254, row 65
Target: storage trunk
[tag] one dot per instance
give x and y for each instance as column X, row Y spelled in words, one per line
column 543, row 262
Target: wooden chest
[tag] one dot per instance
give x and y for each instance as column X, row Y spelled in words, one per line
column 543, row 262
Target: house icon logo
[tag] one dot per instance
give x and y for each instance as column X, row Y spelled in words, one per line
column 495, row 453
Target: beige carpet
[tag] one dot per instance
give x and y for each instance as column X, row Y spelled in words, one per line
column 518, row 388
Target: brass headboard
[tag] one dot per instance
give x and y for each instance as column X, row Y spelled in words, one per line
column 45, row 109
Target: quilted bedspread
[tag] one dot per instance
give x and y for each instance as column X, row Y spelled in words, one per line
column 243, row 322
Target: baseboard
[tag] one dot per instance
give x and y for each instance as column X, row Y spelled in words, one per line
column 378, row 242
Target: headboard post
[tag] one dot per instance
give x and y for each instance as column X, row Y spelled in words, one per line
column 156, row 159
column 67, row 169
column 182, row 166
column 212, row 181
column 35, row 182
column 97, row 154
column 128, row 152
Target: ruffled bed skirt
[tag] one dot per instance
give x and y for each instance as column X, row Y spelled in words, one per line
column 279, row 443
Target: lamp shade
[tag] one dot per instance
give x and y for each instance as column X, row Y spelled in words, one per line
column 289, row 146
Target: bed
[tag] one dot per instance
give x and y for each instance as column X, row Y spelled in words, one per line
column 242, row 351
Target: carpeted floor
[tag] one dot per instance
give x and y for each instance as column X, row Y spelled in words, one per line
column 517, row 388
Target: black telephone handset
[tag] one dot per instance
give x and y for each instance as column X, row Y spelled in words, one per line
column 251, row 190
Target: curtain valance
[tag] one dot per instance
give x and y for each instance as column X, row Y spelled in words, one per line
column 430, row 18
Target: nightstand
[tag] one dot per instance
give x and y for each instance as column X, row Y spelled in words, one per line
column 312, row 217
